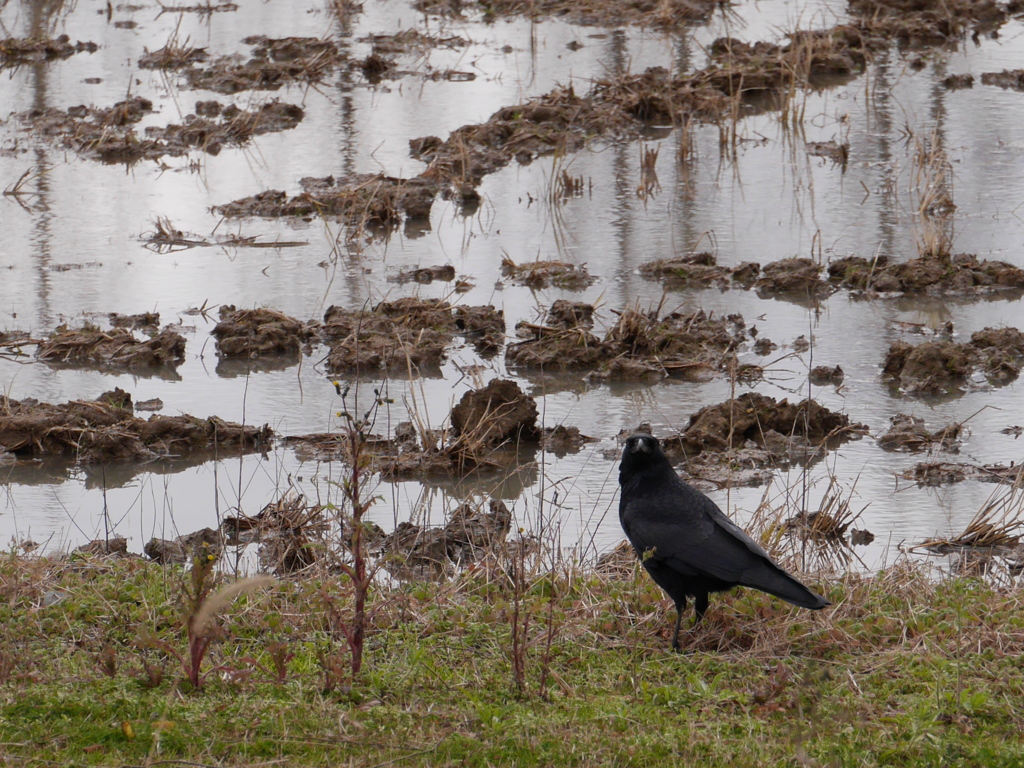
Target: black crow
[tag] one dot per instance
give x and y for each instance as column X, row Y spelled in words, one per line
column 686, row 543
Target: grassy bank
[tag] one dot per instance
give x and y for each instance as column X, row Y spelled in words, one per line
column 903, row 670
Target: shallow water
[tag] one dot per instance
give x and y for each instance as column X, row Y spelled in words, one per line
column 73, row 250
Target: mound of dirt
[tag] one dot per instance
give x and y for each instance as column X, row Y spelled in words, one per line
column 821, row 375
column 605, row 13
column 692, row 269
column 143, row 320
column 545, row 274
column 483, row 327
column 425, row 275
column 753, row 416
column 365, row 201
column 290, row 532
column 106, row 429
column 185, row 548
column 172, row 57
column 234, row 127
column 108, row 135
column 562, row 440
column 795, row 276
column 641, row 345
column 407, row 331
column 570, row 314
column 116, row 349
column 257, row 332
column 275, row 62
column 484, row 420
column 497, row 413
column 943, row 367
column 744, row 440
column 914, row 24
column 412, row 550
column 935, row 473
column 961, row 274
column 556, row 349
column 412, row 40
column 908, row 433
column 18, row 51
column 1012, row 79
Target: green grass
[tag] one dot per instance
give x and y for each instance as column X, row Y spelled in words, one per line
column 903, row 670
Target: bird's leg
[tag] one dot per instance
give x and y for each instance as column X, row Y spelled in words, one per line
column 700, row 605
column 680, row 607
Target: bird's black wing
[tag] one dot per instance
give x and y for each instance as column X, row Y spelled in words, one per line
column 685, row 529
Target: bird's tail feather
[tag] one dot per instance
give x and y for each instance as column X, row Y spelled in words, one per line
column 773, row 580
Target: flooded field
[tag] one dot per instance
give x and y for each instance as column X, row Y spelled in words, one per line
column 728, row 201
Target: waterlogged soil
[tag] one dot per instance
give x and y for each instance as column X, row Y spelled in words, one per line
column 109, row 134
column 641, row 345
column 588, row 339
column 946, row 366
column 960, row 274
column 106, row 430
column 406, row 332
column 908, row 433
column 116, row 349
column 259, row 332
column 14, row 51
column 745, row 440
column 498, row 415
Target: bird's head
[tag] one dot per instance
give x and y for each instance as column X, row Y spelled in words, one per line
column 642, row 450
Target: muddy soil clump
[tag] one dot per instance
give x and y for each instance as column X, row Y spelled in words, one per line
column 290, row 532
column 555, row 347
column 412, row 41
column 641, row 345
column 605, row 13
column 498, row 415
column 425, row 275
column 692, row 269
column 407, row 331
column 779, row 278
column 185, row 548
column 106, row 429
column 232, row 127
column 495, row 414
column 363, row 201
column 793, row 276
column 1012, row 79
column 562, row 440
column 822, row 375
column 915, row 24
column 275, row 62
column 141, row 321
column 570, row 314
column 116, row 349
column 944, row 367
column 545, row 274
column 908, row 433
column 743, row 440
column 471, row 533
column 936, row 473
column 960, row 274
column 109, row 135
column 14, row 51
column 258, row 332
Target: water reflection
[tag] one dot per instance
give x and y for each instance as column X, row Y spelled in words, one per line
column 757, row 198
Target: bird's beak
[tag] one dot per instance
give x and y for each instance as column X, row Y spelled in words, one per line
column 641, row 445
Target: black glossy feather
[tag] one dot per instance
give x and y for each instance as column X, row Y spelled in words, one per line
column 688, row 546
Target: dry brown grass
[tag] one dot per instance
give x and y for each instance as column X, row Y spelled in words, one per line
column 997, row 525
